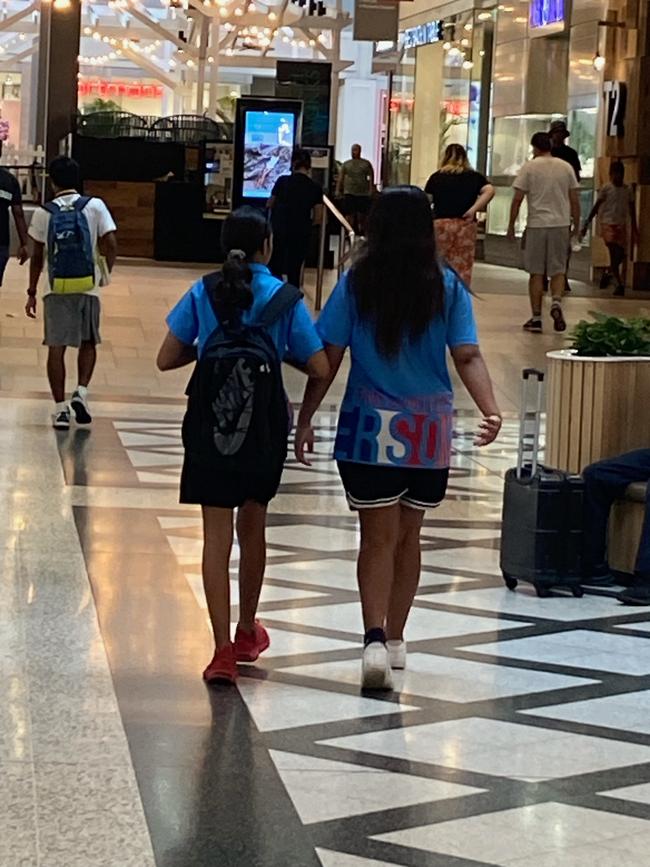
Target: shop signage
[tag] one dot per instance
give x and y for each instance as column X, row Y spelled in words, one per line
column 616, row 103
column 423, row 34
column 104, row 88
column 546, row 16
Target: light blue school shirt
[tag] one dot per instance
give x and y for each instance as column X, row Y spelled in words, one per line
column 398, row 411
column 193, row 320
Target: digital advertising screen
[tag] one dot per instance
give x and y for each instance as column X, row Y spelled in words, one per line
column 269, row 139
column 546, row 16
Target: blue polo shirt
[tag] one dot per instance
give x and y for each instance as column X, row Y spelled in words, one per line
column 193, row 320
column 398, row 411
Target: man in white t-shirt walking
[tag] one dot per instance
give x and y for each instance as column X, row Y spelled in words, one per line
column 83, row 231
column 549, row 184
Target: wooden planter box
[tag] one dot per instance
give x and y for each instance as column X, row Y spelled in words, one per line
column 595, row 408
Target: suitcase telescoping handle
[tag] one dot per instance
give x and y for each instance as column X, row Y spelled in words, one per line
column 530, row 376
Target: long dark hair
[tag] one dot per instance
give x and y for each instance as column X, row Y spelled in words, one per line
column 396, row 280
column 243, row 235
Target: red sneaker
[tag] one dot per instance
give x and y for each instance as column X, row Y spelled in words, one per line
column 223, row 668
column 248, row 646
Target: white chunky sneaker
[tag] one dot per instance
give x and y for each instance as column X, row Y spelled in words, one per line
column 376, row 672
column 79, row 406
column 61, row 420
column 396, row 654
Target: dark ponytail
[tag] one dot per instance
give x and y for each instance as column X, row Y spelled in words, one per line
column 243, row 235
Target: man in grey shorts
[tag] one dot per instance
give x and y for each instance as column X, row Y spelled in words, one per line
column 549, row 184
column 71, row 304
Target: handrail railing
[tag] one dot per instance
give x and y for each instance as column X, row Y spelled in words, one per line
column 346, row 245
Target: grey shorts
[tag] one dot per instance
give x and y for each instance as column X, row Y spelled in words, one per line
column 71, row 320
column 546, row 251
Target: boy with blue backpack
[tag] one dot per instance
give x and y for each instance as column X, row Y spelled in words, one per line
column 71, row 234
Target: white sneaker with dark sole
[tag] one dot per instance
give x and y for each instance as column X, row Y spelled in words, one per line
column 376, row 672
column 61, row 420
column 79, row 406
column 396, row 654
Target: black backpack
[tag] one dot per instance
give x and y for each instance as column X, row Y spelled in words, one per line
column 237, row 417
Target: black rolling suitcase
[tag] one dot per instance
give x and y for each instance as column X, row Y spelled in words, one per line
column 541, row 532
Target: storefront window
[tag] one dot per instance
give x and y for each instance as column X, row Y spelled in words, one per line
column 400, row 124
column 583, row 123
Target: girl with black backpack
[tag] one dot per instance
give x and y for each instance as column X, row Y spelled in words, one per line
column 237, row 324
column 398, row 310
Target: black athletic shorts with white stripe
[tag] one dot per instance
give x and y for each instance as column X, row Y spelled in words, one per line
column 372, row 486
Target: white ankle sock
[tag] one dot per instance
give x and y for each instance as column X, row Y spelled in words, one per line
column 61, row 407
column 82, row 390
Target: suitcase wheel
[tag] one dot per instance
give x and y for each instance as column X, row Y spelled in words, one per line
column 542, row 592
column 578, row 592
column 510, row 581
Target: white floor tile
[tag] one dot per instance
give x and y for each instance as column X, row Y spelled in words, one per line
column 450, row 679
column 511, row 836
column 637, row 627
column 462, row 534
column 173, row 522
column 422, row 624
column 276, row 706
column 322, row 790
column 524, row 601
column 134, row 440
column 628, row 712
column 640, row 793
column 313, row 536
column 269, row 592
column 336, row 574
column 581, row 648
column 483, row 561
column 285, row 643
column 332, row 573
column 158, row 478
column 330, row 858
column 153, row 459
column 498, row 748
column 614, row 852
column 310, row 477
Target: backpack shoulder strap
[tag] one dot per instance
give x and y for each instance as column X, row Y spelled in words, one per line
column 284, row 299
column 51, row 208
column 81, row 203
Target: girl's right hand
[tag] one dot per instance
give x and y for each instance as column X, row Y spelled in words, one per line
column 488, row 430
column 304, row 442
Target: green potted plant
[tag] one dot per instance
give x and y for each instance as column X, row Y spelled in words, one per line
column 598, row 391
column 612, row 336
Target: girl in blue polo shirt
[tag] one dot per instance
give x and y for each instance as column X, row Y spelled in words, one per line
column 244, row 290
column 398, row 310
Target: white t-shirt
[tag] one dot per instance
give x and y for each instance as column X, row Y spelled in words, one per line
column 547, row 182
column 615, row 207
column 100, row 223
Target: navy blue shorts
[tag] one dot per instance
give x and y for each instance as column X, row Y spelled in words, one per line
column 373, row 486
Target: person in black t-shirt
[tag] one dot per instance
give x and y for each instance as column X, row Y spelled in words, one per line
column 559, row 134
column 10, row 197
column 458, row 194
column 295, row 204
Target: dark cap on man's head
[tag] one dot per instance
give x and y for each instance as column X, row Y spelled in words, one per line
column 558, row 126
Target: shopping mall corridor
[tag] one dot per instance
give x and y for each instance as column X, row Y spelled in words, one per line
column 519, row 734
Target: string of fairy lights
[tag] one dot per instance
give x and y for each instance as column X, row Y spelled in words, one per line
column 231, row 15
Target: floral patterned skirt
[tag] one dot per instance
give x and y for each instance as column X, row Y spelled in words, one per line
column 456, row 242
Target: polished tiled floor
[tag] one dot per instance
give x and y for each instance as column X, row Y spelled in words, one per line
column 518, row 736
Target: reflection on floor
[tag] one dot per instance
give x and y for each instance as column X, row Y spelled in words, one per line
column 518, row 735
